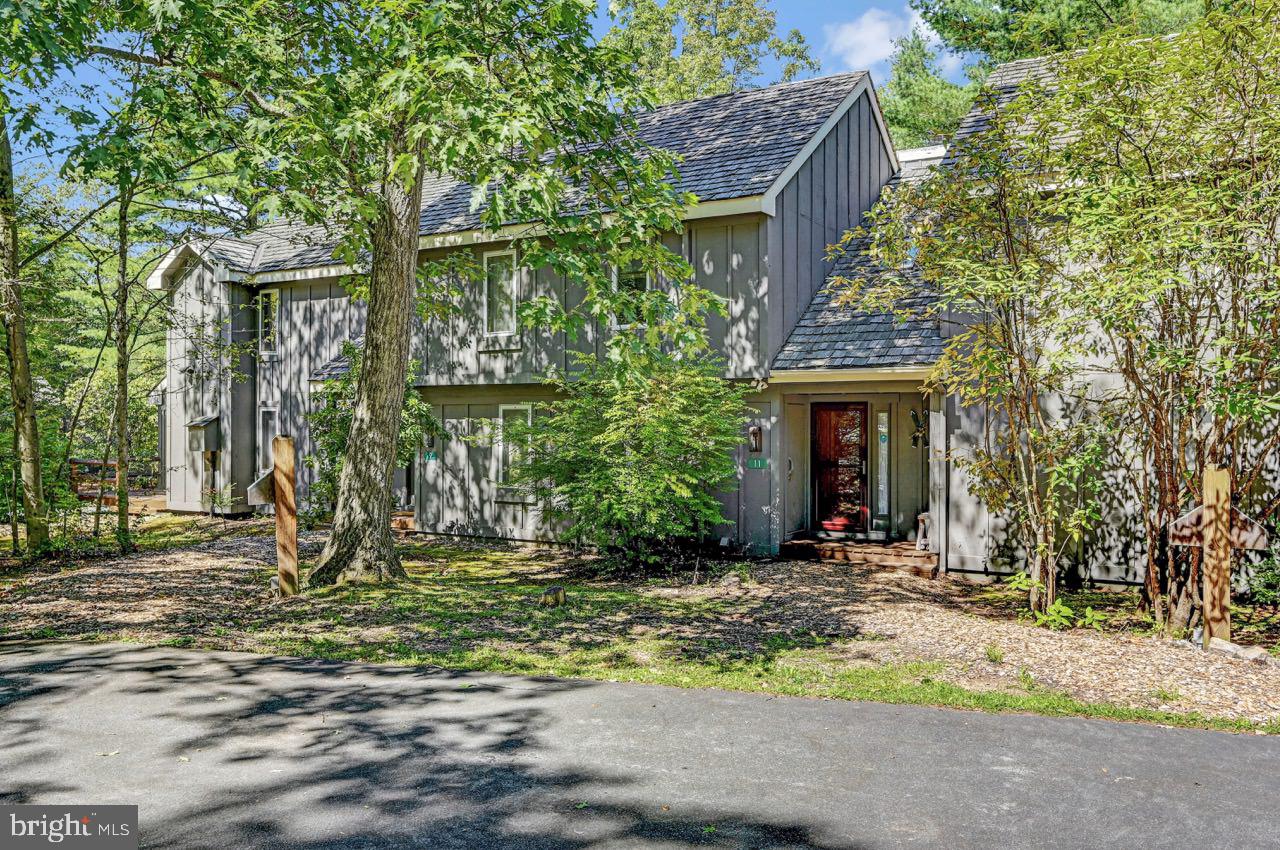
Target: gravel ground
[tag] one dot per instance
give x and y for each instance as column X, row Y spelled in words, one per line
column 216, row 592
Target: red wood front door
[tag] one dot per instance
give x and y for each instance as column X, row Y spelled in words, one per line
column 840, row 466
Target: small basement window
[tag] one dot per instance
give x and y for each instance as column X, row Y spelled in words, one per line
column 500, row 293
column 268, row 320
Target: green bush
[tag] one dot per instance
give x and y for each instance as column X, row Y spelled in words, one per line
column 1264, row 585
column 630, row 457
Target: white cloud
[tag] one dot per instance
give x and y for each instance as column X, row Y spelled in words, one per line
column 866, row 42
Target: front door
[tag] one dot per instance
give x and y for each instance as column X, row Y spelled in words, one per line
column 840, row 466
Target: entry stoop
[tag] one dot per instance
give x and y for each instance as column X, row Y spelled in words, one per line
column 896, row 556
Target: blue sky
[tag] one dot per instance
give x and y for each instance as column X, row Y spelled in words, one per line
column 855, row 35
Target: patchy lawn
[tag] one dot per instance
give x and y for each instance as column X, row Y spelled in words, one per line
column 801, row 628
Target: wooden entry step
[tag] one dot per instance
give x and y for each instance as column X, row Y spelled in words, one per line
column 900, row 556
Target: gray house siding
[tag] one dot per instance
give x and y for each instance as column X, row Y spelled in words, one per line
column 458, row 489
column 728, row 259
column 315, row 317
column 209, row 376
column 829, row 194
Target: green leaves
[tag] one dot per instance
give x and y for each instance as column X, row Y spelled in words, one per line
column 684, row 49
column 631, row 455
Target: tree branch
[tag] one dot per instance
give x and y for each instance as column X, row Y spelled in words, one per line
column 250, row 95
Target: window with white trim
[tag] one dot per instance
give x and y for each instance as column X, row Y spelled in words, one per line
column 267, row 431
column 500, row 293
column 268, row 320
column 632, row 281
column 508, row 447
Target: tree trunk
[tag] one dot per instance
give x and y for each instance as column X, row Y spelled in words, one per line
column 120, row 325
column 361, row 547
column 15, row 326
column 1044, row 575
column 15, row 496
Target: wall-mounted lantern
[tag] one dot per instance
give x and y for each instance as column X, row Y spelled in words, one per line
column 755, row 438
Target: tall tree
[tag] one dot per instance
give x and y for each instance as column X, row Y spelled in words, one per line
column 1119, row 280
column 347, row 106
column 920, row 105
column 21, row 389
column 1002, row 31
column 694, row 48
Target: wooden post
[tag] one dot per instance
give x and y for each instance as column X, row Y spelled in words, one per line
column 282, row 482
column 1215, row 564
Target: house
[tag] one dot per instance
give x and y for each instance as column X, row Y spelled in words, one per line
column 842, row 441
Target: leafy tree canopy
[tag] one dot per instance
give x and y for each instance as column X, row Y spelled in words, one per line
column 695, row 48
column 1001, row 31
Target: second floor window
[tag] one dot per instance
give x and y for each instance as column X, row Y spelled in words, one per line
column 500, row 293
column 268, row 320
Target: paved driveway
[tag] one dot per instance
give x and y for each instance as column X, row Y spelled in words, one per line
column 229, row 750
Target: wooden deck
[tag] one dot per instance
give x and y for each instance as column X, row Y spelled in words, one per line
column 899, row 556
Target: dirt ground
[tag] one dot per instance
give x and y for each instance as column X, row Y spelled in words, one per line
column 214, row 594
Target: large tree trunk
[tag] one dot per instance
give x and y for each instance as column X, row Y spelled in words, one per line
column 15, row 326
column 361, row 547
column 120, row 327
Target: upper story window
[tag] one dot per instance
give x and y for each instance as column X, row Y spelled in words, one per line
column 500, row 293
column 268, row 320
column 633, row 281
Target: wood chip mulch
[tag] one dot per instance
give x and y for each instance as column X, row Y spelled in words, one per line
column 904, row 618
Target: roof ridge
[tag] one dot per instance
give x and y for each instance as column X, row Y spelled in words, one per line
column 743, row 92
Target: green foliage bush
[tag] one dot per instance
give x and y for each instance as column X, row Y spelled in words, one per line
column 330, row 423
column 629, row 458
column 1264, row 586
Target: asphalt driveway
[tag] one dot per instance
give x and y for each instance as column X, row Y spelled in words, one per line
column 230, row 750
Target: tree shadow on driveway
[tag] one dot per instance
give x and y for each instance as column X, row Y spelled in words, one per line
column 221, row 749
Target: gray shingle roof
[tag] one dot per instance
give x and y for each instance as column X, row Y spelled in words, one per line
column 832, row 336
column 1000, row 89
column 338, row 366
column 732, row 146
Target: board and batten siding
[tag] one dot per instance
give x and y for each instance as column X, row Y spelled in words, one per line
column 315, row 317
column 727, row 256
column 828, row 195
column 459, row 492
column 200, row 382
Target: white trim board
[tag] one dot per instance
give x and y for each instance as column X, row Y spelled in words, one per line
column 829, row 376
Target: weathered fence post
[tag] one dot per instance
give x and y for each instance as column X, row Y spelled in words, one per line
column 282, row 481
column 1215, row 563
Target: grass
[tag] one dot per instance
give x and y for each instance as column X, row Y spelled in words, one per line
column 474, row 607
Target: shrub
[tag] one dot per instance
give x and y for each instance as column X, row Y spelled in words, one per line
column 629, row 459
column 1264, row 585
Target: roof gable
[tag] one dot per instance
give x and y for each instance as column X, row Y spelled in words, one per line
column 831, row 335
